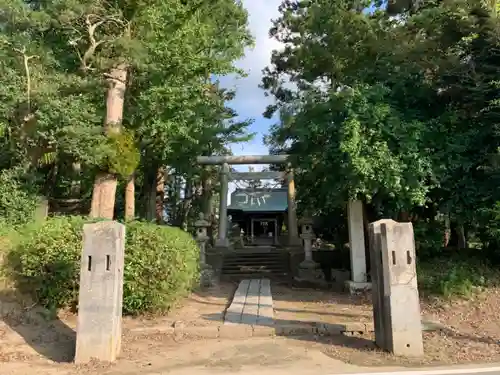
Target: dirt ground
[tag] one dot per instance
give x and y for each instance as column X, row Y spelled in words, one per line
column 306, row 305
column 472, row 334
column 29, row 342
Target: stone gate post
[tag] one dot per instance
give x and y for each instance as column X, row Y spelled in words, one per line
column 399, row 315
column 99, row 327
column 357, row 247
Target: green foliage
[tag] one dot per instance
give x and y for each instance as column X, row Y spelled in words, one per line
column 161, row 264
column 429, row 238
column 124, row 156
column 18, row 199
column 401, row 115
column 51, row 114
column 456, row 275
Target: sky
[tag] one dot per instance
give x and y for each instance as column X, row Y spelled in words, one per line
column 250, row 101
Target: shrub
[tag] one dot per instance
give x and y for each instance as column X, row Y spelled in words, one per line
column 456, row 276
column 429, row 239
column 18, row 200
column 161, row 267
column 161, row 264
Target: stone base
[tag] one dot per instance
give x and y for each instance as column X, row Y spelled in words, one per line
column 207, row 276
column 340, row 277
column 355, row 287
column 222, row 242
column 308, row 264
column 309, row 271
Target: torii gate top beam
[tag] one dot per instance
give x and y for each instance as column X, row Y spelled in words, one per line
column 246, row 159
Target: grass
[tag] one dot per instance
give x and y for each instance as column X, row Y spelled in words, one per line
column 455, row 276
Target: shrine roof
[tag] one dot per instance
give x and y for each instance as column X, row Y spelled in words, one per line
column 259, row 200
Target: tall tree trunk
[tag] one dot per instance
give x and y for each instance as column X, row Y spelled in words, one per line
column 186, row 204
column 130, row 198
column 447, row 230
column 150, row 195
column 160, row 195
column 461, row 238
column 176, row 197
column 207, row 197
column 76, row 182
column 104, row 193
column 404, row 216
column 208, row 204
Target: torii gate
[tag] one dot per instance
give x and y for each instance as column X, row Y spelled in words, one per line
column 226, row 175
column 354, row 209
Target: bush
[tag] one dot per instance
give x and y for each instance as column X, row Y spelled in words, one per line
column 161, row 264
column 161, row 267
column 429, row 239
column 18, row 200
column 456, row 276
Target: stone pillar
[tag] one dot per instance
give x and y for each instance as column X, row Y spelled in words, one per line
column 206, row 271
column 99, row 327
column 358, row 280
column 380, row 316
column 293, row 236
column 223, row 241
column 401, row 306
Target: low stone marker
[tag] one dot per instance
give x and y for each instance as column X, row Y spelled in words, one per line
column 99, row 327
column 396, row 304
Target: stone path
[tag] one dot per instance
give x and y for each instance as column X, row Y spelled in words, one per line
column 252, row 304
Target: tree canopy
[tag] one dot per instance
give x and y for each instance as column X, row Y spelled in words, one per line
column 395, row 108
column 148, row 67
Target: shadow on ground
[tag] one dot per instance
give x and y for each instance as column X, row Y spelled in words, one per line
column 51, row 338
column 350, row 341
column 333, row 294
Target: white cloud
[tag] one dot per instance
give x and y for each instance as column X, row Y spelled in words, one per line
column 260, row 13
column 250, row 100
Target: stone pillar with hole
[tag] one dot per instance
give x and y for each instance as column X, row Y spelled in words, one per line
column 358, row 281
column 100, row 298
column 308, row 268
column 206, row 271
column 396, row 304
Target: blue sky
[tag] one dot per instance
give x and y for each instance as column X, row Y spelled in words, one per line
column 250, row 101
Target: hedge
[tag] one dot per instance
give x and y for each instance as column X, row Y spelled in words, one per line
column 161, row 264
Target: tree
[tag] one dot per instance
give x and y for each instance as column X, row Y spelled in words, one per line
column 408, row 130
column 153, row 61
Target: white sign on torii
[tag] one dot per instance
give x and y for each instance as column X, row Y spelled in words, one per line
column 251, row 199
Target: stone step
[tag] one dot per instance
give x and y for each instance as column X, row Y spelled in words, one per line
column 255, row 261
column 252, row 304
column 240, row 265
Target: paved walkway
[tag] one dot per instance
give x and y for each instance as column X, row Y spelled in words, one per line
column 252, row 304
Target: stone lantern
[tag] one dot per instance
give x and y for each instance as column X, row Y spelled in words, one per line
column 201, row 225
column 308, row 236
column 202, row 238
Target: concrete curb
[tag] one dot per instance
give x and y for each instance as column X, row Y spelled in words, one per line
column 238, row 331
